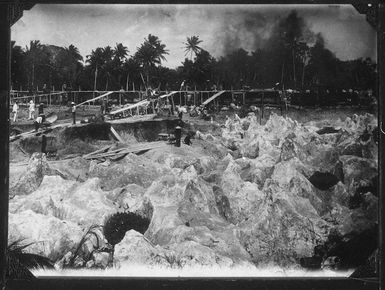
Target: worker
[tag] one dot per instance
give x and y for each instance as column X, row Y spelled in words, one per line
column 187, row 139
column 178, row 135
column 31, row 110
column 41, row 109
column 15, row 110
column 180, row 113
column 38, row 122
column 73, row 110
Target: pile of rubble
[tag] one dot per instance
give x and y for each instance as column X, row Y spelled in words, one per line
column 257, row 195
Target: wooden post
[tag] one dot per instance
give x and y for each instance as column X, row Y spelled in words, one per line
column 180, row 98
column 5, row 84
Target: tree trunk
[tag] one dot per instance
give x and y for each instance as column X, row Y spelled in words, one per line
column 33, row 75
column 303, row 74
column 96, row 75
column 283, row 69
column 294, row 78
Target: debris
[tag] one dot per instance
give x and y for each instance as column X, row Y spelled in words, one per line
column 126, row 150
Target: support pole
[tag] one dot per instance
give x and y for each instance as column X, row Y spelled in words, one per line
column 5, row 84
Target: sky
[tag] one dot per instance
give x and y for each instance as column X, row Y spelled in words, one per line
column 222, row 28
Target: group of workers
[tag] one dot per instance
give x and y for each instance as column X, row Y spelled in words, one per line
column 41, row 116
column 31, row 110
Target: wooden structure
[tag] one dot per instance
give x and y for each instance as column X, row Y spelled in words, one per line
column 115, row 154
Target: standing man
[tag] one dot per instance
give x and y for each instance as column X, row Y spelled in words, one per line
column 73, row 110
column 41, row 111
column 15, row 110
column 178, row 135
column 31, row 110
column 38, row 122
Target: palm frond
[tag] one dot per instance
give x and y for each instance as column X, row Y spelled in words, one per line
column 19, row 262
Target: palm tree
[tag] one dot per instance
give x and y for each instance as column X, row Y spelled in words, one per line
column 32, row 55
column 17, row 68
column 95, row 60
column 120, row 54
column 191, row 45
column 73, row 62
column 150, row 54
column 107, row 66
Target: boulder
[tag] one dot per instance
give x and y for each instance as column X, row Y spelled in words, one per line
column 358, row 170
column 134, row 249
column 190, row 253
column 132, row 169
column 51, row 237
column 37, row 168
column 82, row 203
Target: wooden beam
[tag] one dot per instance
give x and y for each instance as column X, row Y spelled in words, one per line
column 101, row 150
column 94, row 99
column 116, row 135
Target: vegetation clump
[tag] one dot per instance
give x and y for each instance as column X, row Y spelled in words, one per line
column 116, row 226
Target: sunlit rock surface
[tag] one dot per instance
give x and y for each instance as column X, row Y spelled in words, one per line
column 241, row 197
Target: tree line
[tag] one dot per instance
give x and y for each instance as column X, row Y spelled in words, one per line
column 293, row 57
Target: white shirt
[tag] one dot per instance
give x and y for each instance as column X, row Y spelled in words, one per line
column 32, row 107
column 15, row 107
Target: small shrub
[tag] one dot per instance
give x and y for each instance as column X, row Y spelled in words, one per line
column 116, row 226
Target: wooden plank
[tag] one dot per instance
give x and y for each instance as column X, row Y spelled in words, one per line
column 94, row 99
column 29, row 134
column 131, row 149
column 116, row 135
column 105, row 148
column 213, row 98
column 140, row 103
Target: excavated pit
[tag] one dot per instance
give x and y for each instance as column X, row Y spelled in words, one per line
column 147, row 131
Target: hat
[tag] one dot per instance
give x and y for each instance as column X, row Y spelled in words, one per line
column 72, row 103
